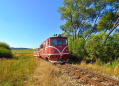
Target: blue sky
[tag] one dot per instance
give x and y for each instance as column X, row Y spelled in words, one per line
column 27, row 23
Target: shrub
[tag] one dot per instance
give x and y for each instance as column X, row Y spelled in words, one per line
column 4, row 45
column 76, row 49
column 5, row 51
column 96, row 49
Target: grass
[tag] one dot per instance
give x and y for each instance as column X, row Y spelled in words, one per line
column 13, row 72
column 24, row 51
column 105, row 69
column 46, row 74
column 26, row 70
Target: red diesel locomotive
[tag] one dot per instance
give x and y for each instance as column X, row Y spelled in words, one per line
column 55, row 49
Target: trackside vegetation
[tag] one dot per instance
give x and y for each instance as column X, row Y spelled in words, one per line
column 14, row 72
column 94, row 49
column 92, row 30
column 26, row 70
column 24, row 51
column 5, row 51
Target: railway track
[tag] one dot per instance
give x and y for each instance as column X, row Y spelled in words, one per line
column 87, row 77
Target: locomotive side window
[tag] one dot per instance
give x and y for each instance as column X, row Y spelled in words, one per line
column 59, row 41
column 53, row 41
column 64, row 41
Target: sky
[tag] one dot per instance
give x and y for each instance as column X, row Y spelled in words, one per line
column 28, row 23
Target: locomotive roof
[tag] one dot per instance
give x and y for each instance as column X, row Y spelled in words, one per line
column 57, row 36
column 53, row 37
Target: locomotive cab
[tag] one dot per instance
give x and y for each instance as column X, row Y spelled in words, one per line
column 58, row 49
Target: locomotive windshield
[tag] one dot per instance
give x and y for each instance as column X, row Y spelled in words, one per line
column 59, row 41
column 53, row 41
column 64, row 41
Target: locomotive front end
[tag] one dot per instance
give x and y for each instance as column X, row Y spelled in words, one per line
column 58, row 50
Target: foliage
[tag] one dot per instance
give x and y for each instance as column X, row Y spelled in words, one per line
column 86, row 26
column 4, row 45
column 88, row 16
column 94, row 45
column 105, row 53
column 5, row 51
column 107, row 21
column 77, row 48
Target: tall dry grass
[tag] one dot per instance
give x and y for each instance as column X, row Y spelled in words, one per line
column 46, row 74
column 13, row 72
column 103, row 69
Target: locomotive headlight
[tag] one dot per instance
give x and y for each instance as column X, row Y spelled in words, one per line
column 66, row 50
column 54, row 50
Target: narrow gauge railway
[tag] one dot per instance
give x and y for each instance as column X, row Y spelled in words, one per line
column 87, row 77
column 55, row 50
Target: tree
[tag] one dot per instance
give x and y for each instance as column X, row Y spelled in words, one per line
column 109, row 21
column 74, row 12
column 80, row 14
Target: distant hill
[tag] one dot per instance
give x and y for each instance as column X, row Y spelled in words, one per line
column 13, row 48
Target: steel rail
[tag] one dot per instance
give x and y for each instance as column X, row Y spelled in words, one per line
column 94, row 74
column 86, row 79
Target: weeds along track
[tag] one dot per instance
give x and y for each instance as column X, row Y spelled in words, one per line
column 86, row 77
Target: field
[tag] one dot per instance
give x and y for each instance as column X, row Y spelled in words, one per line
column 24, row 51
column 26, row 70
column 14, row 72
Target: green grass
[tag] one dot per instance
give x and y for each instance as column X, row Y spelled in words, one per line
column 13, row 72
column 24, row 51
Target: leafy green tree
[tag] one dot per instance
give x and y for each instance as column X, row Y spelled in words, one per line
column 81, row 15
column 84, row 18
column 73, row 13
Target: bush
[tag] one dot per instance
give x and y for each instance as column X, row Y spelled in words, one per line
column 76, row 49
column 94, row 45
column 5, row 51
column 4, row 45
column 96, row 49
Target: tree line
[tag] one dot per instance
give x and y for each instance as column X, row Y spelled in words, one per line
column 89, row 25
